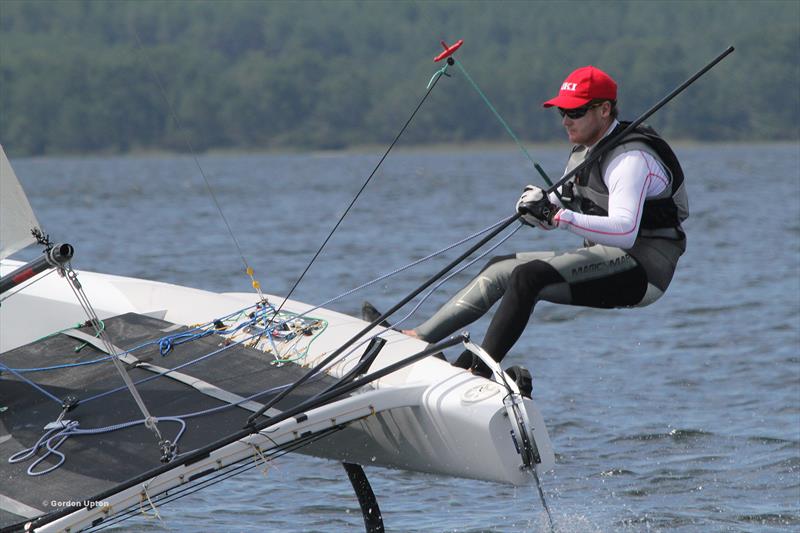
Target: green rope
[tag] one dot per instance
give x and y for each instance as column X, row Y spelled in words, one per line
column 97, row 336
column 505, row 125
column 76, row 326
column 438, row 74
column 299, row 356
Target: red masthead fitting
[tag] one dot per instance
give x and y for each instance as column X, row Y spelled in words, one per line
column 448, row 50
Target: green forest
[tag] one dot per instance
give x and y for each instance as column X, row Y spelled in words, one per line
column 120, row 76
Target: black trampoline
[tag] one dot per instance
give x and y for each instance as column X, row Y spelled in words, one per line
column 217, row 374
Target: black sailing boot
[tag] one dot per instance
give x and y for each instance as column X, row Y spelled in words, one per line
column 522, row 377
column 473, row 363
column 370, row 314
column 520, row 374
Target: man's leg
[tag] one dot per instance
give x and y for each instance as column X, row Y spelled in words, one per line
column 597, row 276
column 476, row 298
column 525, row 287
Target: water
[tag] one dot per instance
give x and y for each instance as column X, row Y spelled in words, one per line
column 683, row 416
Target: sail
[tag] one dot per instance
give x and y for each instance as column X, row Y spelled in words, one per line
column 16, row 216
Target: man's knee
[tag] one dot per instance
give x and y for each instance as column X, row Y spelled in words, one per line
column 497, row 270
column 530, row 278
column 494, row 263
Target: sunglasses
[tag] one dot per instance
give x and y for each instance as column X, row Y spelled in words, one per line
column 578, row 112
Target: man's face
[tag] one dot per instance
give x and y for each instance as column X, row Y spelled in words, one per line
column 589, row 128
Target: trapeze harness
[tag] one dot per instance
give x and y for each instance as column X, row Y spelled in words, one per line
column 627, row 260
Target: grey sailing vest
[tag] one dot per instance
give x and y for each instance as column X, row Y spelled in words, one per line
column 661, row 240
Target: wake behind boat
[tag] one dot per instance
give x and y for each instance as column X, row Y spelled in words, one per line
column 121, row 394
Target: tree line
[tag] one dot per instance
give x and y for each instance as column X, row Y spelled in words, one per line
column 84, row 76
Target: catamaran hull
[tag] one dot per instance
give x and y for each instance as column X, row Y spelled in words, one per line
column 427, row 417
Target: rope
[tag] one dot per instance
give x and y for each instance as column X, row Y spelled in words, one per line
column 128, row 351
column 225, row 347
column 60, row 367
column 32, row 384
column 166, row 344
column 168, row 341
column 353, row 201
column 536, row 165
column 146, row 495
column 56, row 436
column 85, row 344
column 160, row 374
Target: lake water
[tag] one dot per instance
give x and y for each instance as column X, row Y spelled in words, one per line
column 683, row 416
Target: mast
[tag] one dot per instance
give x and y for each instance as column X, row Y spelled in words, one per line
column 53, row 257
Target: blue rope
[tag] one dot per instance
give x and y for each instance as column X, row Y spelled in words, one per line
column 62, row 366
column 166, row 344
column 32, row 384
column 132, row 350
column 259, row 314
column 55, row 437
column 183, row 365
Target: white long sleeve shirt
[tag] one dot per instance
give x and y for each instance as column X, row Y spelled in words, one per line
column 631, row 178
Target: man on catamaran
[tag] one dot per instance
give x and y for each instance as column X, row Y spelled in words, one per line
column 628, row 207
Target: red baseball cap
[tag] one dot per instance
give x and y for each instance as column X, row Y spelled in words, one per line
column 582, row 86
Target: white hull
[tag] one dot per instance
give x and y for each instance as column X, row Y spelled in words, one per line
column 428, row 417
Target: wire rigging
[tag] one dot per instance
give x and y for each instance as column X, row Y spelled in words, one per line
column 248, row 270
column 437, row 77
column 149, row 420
